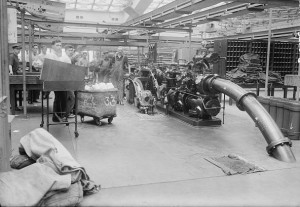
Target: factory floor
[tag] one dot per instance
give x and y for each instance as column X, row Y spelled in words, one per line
column 142, row 160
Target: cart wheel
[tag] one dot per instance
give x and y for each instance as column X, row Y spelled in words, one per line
column 110, row 119
column 82, row 118
column 41, row 125
column 98, row 122
column 76, row 134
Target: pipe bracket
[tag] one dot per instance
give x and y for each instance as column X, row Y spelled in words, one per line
column 275, row 143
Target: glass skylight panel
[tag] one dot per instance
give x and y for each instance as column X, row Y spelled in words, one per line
column 121, row 2
column 68, row 1
column 85, row 1
column 103, row 2
column 70, row 6
column 100, row 8
column 115, row 9
column 84, row 6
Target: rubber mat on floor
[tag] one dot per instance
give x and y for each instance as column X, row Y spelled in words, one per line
column 234, row 164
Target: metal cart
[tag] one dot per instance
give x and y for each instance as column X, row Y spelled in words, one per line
column 99, row 104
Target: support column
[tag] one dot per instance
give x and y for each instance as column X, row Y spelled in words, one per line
column 5, row 142
column 24, row 63
column 268, row 52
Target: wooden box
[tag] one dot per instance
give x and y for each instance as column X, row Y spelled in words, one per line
column 60, row 76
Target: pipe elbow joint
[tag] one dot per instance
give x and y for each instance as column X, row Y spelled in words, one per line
column 207, row 85
column 239, row 100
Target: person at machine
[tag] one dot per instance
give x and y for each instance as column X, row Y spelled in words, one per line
column 84, row 62
column 105, row 68
column 14, row 60
column 69, row 50
column 42, row 56
column 26, row 52
column 37, row 64
column 14, row 67
column 61, row 105
column 117, row 75
column 43, row 53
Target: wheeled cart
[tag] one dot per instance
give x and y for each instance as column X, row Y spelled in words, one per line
column 99, row 104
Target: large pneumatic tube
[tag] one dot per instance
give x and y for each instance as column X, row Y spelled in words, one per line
column 278, row 146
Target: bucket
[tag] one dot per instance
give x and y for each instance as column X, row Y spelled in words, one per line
column 293, row 131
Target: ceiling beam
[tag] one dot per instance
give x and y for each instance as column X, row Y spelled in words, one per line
column 158, row 29
column 279, row 32
column 89, row 42
column 106, row 36
column 224, row 9
column 275, row 3
column 173, row 10
column 138, row 10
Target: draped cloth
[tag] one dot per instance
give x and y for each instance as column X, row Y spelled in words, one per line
column 55, row 179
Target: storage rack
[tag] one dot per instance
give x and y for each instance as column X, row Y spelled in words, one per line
column 283, row 55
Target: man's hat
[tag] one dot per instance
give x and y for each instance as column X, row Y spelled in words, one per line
column 17, row 46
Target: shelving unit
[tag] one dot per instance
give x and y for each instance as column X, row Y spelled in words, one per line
column 283, row 55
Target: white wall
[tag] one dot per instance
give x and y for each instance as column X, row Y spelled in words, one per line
column 93, row 17
column 116, row 18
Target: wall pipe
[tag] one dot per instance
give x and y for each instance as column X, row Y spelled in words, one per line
column 278, row 146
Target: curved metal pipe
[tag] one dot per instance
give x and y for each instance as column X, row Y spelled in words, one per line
column 278, row 146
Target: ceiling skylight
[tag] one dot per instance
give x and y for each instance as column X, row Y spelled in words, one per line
column 97, row 5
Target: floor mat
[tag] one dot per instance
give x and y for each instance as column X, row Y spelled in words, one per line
column 234, row 164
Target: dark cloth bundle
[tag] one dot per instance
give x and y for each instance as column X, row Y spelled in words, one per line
column 247, row 71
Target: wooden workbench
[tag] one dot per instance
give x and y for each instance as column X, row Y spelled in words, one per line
column 33, row 82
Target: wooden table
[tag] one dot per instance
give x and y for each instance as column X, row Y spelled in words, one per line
column 33, row 82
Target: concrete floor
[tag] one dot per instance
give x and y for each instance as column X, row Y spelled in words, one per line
column 140, row 160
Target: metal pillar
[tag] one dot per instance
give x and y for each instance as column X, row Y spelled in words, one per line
column 24, row 63
column 5, row 142
column 268, row 52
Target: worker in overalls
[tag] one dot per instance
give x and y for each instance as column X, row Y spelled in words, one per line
column 120, row 67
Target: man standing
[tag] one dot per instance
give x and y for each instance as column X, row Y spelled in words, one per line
column 84, row 62
column 37, row 64
column 43, row 53
column 14, row 66
column 61, row 101
column 69, row 50
column 14, row 60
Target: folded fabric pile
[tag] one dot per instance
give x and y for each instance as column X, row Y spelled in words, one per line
column 46, row 174
column 272, row 77
column 247, row 70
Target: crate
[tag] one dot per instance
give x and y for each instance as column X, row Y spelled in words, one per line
column 98, row 104
column 60, row 76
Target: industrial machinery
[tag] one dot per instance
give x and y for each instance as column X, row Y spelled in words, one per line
column 141, row 88
column 194, row 97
